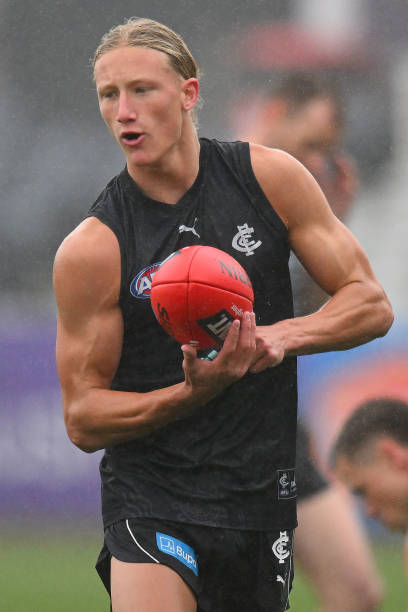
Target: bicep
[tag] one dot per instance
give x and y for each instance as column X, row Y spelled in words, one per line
column 329, row 251
column 90, row 324
column 325, row 247
column 88, row 349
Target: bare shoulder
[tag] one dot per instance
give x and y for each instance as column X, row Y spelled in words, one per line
column 88, row 239
column 87, row 263
column 288, row 185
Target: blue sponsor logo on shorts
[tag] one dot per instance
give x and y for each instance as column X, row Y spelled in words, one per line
column 179, row 550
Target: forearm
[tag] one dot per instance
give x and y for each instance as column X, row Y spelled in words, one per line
column 101, row 417
column 353, row 316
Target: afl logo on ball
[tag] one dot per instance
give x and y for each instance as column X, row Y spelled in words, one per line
column 217, row 325
column 141, row 285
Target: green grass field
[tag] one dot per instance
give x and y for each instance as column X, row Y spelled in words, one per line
column 52, row 571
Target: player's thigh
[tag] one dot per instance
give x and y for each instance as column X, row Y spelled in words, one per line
column 331, row 545
column 149, row 587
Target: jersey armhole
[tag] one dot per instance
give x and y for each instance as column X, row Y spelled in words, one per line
column 261, row 202
column 106, row 220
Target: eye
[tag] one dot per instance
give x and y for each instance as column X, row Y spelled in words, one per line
column 106, row 95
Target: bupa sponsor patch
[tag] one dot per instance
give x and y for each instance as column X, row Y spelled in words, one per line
column 181, row 551
column 286, row 484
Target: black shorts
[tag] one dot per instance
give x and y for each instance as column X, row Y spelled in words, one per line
column 309, row 479
column 227, row 569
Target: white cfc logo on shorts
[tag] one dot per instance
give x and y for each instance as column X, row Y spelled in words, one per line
column 279, row 547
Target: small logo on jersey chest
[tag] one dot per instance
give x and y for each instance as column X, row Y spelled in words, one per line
column 286, row 484
column 141, row 285
column 243, row 241
column 192, row 229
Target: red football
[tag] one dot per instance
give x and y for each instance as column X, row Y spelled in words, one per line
column 197, row 292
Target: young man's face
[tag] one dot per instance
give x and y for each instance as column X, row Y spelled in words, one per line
column 382, row 484
column 142, row 100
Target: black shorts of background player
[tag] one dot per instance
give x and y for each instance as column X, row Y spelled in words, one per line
column 187, row 440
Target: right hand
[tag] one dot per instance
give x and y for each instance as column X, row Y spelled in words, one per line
column 205, row 379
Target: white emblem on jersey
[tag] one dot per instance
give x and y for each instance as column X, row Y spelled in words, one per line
column 279, row 547
column 280, row 579
column 284, row 481
column 242, row 241
column 185, row 228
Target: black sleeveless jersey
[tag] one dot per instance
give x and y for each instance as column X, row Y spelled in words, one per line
column 231, row 462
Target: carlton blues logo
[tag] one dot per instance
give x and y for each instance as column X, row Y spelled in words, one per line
column 287, row 488
column 141, row 285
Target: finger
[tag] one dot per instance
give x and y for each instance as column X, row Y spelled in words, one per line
column 232, row 337
column 266, row 361
column 253, row 327
column 258, row 366
column 247, row 337
column 260, row 353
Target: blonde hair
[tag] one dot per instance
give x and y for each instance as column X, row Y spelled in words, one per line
column 141, row 32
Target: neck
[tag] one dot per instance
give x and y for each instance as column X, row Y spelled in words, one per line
column 169, row 178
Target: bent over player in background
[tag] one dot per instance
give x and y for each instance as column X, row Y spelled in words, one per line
column 196, row 514
column 370, row 455
column 303, row 115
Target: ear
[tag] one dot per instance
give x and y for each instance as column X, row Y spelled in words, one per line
column 394, row 452
column 190, row 92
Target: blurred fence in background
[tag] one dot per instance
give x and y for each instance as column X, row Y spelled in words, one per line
column 41, row 474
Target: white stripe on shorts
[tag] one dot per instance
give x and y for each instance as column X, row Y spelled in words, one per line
column 138, row 545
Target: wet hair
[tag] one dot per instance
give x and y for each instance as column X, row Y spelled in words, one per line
column 374, row 419
column 299, row 88
column 142, row 32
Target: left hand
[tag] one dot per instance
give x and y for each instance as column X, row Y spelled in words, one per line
column 270, row 348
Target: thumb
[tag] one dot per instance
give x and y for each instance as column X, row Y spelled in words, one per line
column 189, row 353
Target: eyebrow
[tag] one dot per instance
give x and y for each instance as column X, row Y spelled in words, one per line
column 138, row 81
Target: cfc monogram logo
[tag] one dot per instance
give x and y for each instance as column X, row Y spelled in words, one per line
column 242, row 241
column 279, row 547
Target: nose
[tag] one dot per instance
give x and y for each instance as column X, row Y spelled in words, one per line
column 125, row 110
column 370, row 509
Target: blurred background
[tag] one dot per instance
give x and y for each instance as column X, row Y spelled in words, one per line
column 56, row 156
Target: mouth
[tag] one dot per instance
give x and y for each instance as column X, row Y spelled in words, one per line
column 131, row 138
